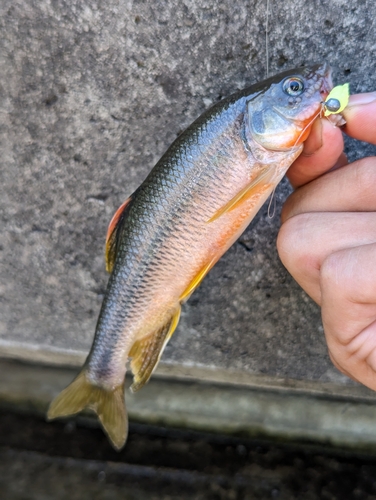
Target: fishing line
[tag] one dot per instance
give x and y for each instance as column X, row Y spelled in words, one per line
column 364, row 59
column 309, row 124
column 267, row 37
column 272, row 209
column 271, row 213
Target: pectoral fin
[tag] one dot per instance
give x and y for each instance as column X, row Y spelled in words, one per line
column 146, row 352
column 252, row 188
column 113, row 232
column 196, row 281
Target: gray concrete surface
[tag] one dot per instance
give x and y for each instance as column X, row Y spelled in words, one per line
column 92, row 93
column 282, row 416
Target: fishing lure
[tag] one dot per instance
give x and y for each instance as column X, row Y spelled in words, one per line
column 337, row 99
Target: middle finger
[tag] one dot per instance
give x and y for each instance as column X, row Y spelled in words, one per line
column 306, row 240
column 350, row 188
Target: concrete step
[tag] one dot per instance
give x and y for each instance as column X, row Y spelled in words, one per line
column 59, row 460
column 293, row 414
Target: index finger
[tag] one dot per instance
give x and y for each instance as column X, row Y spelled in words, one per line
column 360, row 116
column 321, row 152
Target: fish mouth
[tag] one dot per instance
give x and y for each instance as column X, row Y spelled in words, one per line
column 327, row 82
column 319, row 78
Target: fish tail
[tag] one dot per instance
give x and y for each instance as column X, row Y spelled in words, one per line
column 109, row 405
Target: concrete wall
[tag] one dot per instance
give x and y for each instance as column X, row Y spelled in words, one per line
column 92, row 93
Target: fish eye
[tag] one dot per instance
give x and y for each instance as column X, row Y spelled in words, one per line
column 293, row 86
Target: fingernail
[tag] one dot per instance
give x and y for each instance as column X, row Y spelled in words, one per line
column 360, row 99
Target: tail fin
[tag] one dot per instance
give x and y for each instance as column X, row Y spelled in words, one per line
column 109, row 406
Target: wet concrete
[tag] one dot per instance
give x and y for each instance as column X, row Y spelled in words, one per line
column 64, row 460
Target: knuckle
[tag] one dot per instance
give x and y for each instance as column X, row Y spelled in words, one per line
column 365, row 176
column 293, row 242
column 350, row 275
column 336, row 364
column 331, row 271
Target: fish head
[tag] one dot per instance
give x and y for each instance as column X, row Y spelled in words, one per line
column 280, row 114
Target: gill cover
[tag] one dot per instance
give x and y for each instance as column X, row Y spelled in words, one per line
column 279, row 118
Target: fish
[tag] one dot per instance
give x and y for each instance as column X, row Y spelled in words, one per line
column 165, row 238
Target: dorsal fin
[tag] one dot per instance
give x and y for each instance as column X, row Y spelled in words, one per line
column 113, row 232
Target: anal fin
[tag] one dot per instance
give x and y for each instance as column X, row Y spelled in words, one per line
column 146, row 352
column 252, row 188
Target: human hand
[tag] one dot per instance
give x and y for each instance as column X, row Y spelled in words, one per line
column 328, row 237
